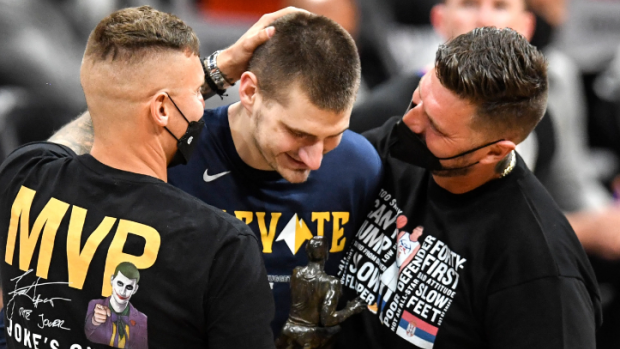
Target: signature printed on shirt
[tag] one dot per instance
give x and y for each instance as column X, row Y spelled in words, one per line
column 32, row 292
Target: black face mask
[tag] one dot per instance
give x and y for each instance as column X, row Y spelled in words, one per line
column 410, row 148
column 187, row 143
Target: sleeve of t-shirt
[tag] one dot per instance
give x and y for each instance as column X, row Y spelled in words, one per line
column 380, row 137
column 31, row 154
column 550, row 313
column 239, row 304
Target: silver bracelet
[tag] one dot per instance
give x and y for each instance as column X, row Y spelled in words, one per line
column 214, row 72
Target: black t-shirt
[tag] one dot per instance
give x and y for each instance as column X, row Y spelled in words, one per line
column 496, row 267
column 67, row 222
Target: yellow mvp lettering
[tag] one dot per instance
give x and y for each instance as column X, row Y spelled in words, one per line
column 79, row 260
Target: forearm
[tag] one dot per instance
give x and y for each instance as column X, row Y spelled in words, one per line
column 78, row 135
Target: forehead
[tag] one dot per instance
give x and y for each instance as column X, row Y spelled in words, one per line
column 298, row 112
column 443, row 106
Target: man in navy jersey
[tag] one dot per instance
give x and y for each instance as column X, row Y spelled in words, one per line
column 281, row 159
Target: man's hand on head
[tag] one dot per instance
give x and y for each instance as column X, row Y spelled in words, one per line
column 233, row 61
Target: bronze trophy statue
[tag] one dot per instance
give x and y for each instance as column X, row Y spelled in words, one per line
column 313, row 320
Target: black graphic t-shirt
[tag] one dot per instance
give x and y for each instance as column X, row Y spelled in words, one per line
column 496, row 267
column 95, row 257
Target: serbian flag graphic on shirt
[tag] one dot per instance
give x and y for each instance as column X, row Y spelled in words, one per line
column 416, row 331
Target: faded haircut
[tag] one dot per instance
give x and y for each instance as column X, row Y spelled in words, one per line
column 313, row 52
column 130, row 33
column 501, row 74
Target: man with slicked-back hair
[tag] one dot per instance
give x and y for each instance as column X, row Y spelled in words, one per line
column 498, row 265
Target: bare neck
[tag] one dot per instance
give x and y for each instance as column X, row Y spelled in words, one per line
column 146, row 158
column 463, row 184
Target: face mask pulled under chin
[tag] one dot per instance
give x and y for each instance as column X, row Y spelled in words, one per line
column 187, row 143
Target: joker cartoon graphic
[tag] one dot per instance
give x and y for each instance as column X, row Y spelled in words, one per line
column 114, row 321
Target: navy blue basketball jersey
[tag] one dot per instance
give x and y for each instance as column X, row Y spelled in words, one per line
column 284, row 215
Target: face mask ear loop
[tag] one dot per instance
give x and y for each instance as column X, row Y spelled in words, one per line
column 175, row 137
column 175, row 105
column 471, row 151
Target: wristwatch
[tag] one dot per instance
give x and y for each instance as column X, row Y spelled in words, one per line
column 213, row 76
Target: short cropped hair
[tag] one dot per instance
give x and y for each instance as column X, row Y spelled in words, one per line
column 500, row 73
column 314, row 52
column 129, row 270
column 129, row 33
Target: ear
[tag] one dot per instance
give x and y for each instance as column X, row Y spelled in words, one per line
column 498, row 152
column 159, row 111
column 438, row 20
column 527, row 25
column 248, row 90
column 135, row 290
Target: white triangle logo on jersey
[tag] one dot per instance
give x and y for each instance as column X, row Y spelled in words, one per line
column 295, row 233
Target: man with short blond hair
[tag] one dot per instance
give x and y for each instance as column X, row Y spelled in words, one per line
column 207, row 287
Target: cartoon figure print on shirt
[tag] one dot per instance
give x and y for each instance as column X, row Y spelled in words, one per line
column 406, row 248
column 408, row 278
column 114, row 321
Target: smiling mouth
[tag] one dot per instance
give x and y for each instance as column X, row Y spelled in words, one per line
column 121, row 297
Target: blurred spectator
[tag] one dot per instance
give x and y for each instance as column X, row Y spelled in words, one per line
column 40, row 59
column 42, row 44
column 590, row 33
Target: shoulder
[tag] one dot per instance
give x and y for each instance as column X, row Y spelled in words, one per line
column 217, row 116
column 137, row 315
column 356, row 150
column 202, row 216
column 536, row 239
column 36, row 151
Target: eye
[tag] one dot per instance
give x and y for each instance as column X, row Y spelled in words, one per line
column 501, row 5
column 129, row 287
column 297, row 134
column 469, row 3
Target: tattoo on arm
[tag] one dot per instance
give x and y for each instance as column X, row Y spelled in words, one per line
column 78, row 135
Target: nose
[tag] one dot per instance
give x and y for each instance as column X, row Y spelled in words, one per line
column 312, row 155
column 413, row 119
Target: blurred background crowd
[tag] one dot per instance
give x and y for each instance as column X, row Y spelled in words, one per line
column 576, row 155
